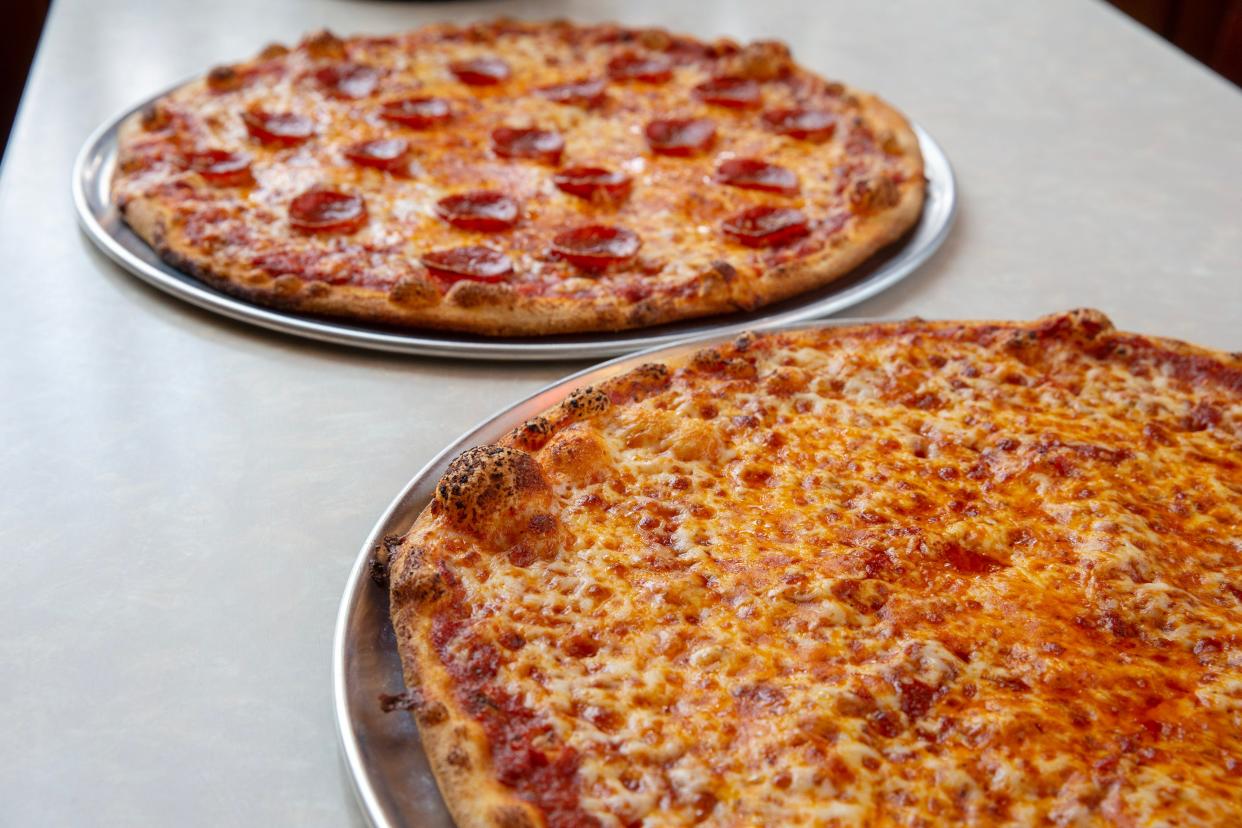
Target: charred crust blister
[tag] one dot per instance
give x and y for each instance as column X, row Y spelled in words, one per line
column 532, row 434
column 416, row 585
column 713, row 361
column 581, row 404
column 410, row 700
column 391, row 545
column 378, row 570
column 483, row 478
column 382, row 557
column 588, row 402
column 706, row 359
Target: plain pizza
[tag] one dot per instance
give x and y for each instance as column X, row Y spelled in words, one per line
column 514, row 178
column 903, row 574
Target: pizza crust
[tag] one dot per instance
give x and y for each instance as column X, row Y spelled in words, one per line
column 873, row 236
column 492, row 310
column 454, row 743
column 484, row 490
column 499, row 479
column 550, row 447
column 498, row 309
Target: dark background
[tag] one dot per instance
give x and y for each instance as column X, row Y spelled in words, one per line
column 18, row 38
column 1208, row 30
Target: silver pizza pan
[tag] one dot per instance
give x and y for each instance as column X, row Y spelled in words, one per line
column 394, row 785
column 100, row 220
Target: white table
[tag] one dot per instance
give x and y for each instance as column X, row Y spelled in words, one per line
column 183, row 496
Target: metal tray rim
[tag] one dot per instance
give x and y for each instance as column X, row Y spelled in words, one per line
column 98, row 152
column 489, row 428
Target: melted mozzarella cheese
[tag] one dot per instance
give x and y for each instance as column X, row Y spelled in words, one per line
column 942, row 583
column 247, row 228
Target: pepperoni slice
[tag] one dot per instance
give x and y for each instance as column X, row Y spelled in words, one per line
column 681, row 136
column 484, row 71
column 596, row 246
column 327, row 211
column 222, row 168
column 417, row 113
column 479, row 264
column 388, row 154
column 753, row 174
column 540, row 144
column 767, row 226
column 348, row 80
column 285, row 128
column 593, row 183
column 484, row 210
column 578, row 93
column 806, row 124
column 738, row 93
column 647, row 68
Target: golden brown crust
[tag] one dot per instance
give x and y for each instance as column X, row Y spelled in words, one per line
column 481, row 479
column 881, row 230
column 486, row 480
column 455, row 744
column 561, row 448
column 416, row 300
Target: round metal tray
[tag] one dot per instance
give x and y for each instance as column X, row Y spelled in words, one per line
column 99, row 218
column 391, row 778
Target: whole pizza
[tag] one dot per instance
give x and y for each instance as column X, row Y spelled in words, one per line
column 512, row 178
column 920, row 573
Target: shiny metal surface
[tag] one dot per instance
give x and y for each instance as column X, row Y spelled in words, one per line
column 393, row 783
column 183, row 495
column 92, row 183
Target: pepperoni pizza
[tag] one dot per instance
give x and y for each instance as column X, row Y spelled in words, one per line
column 904, row 574
column 514, row 178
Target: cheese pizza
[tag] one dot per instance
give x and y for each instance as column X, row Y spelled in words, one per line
column 899, row 574
column 510, row 178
